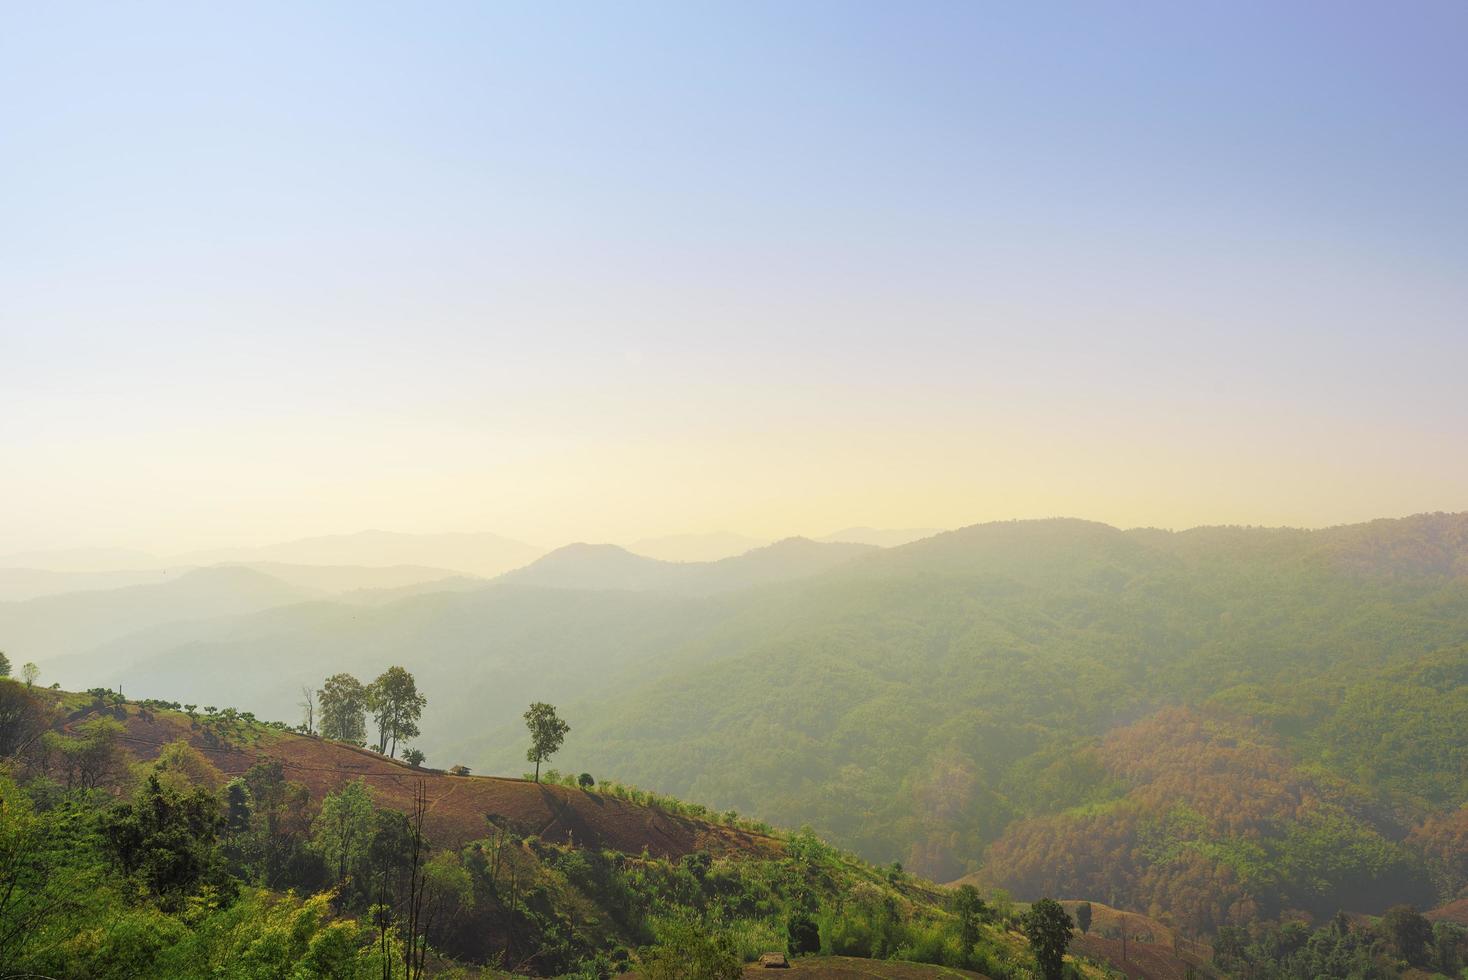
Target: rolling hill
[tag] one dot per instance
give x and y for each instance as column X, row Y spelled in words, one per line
column 20, row 584
column 479, row 652
column 956, row 703
column 879, row 537
column 457, row 805
column 541, row 879
column 606, row 566
column 468, row 553
column 919, row 703
column 696, row 547
column 49, row 628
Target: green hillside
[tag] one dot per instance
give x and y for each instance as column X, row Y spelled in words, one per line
column 955, row 703
column 141, row 841
column 924, row 702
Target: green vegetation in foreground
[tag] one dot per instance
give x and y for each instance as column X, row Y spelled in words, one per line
column 117, row 868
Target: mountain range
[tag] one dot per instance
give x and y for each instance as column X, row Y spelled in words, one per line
column 961, row 703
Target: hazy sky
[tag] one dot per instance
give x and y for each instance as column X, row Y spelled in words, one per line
column 598, row 271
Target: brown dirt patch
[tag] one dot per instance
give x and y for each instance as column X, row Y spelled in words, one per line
column 1160, row 953
column 458, row 806
column 1452, row 912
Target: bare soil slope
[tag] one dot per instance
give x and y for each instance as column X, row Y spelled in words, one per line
column 458, row 806
column 1153, row 951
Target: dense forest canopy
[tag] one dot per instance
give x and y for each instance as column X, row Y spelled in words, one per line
column 940, row 701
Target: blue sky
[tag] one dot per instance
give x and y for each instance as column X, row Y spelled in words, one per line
column 599, row 271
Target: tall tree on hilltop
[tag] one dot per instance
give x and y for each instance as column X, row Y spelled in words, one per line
column 547, row 732
column 343, row 709
column 396, row 707
column 308, row 708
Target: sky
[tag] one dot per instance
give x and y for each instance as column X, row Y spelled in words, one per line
column 603, row 271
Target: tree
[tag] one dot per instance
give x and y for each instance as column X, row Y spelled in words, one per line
column 237, row 809
column 970, row 910
column 585, row 781
column 41, row 888
column 182, row 767
column 24, row 719
column 343, row 703
column 167, row 840
column 803, row 935
column 308, row 708
column 396, row 707
column 29, row 673
column 547, row 732
column 342, row 830
column 91, row 759
column 1409, row 931
column 279, row 850
column 688, row 950
column 414, row 757
column 1048, row 928
column 1083, row 916
column 449, row 891
column 4, row 664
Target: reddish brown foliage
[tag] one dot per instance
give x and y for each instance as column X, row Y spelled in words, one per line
column 1218, row 775
column 1442, row 840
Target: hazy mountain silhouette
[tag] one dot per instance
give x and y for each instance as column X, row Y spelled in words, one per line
column 52, row 627
column 696, row 547
column 20, row 584
column 607, row 566
column 881, row 537
column 474, row 553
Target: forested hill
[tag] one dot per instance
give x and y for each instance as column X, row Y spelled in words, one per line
column 140, row 840
column 991, row 691
column 977, row 701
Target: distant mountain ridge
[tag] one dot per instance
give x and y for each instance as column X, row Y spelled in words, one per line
column 935, row 700
column 881, row 537
column 20, row 584
column 51, row 627
column 608, row 566
column 710, row 546
column 478, row 553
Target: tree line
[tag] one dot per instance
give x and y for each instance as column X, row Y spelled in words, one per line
column 339, row 710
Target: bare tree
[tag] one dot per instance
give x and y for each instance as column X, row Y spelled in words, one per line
column 308, row 707
column 416, row 947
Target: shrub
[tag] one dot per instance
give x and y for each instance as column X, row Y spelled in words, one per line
column 689, row 948
column 804, row 935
